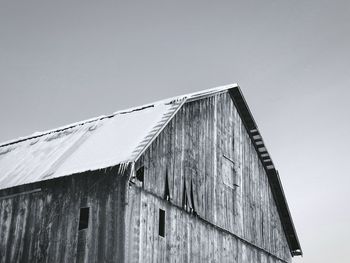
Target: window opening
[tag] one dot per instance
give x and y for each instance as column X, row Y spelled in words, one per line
column 84, row 218
column 167, row 190
column 161, row 230
column 184, row 198
column 140, row 174
column 192, row 200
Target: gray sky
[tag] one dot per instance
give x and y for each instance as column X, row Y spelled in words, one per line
column 65, row 61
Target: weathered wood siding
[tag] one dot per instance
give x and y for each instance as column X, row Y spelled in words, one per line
column 42, row 226
column 207, row 148
column 188, row 238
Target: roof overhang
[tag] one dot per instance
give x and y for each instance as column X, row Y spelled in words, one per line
column 272, row 173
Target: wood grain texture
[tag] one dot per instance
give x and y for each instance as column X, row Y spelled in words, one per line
column 43, row 226
column 188, row 238
column 233, row 195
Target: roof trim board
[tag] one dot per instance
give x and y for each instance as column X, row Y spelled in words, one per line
column 157, row 130
column 272, row 173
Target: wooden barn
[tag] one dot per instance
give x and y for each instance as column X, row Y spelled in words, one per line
column 187, row 179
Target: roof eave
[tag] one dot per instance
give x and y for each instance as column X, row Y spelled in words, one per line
column 272, row 173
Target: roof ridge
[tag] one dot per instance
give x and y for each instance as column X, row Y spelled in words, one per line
column 200, row 93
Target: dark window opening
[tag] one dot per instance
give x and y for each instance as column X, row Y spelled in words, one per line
column 161, row 230
column 84, row 218
column 140, row 174
column 192, row 200
column 167, row 190
column 184, row 198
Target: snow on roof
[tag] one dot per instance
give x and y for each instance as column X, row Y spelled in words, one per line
column 93, row 144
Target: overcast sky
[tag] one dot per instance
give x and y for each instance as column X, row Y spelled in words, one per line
column 65, row 61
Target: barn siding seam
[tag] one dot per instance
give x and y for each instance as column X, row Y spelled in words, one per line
column 216, row 226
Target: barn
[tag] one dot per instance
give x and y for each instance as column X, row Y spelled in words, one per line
column 186, row 179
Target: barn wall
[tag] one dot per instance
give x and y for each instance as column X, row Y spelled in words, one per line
column 187, row 237
column 42, row 226
column 205, row 154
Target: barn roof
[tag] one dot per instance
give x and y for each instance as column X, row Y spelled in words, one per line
column 121, row 138
column 93, row 144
